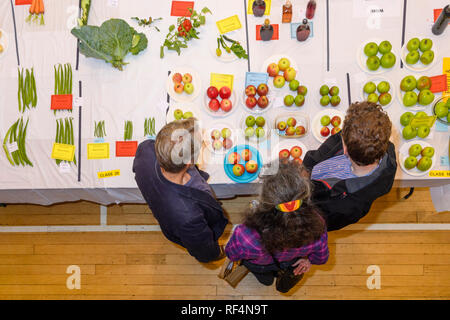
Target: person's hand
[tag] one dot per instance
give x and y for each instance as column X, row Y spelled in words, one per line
column 302, row 266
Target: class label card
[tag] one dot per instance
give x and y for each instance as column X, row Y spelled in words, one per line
column 181, row 8
column 219, row 80
column 97, row 151
column 65, row 152
column 108, row 174
column 229, row 24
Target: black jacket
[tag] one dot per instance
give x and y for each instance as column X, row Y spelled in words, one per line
column 344, row 202
column 189, row 217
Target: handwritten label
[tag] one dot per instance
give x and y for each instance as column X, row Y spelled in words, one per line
column 445, row 161
column 99, row 140
column 126, row 148
column 108, row 174
column 61, row 102
column 441, row 127
column 12, row 147
column 295, row 25
column 378, row 8
column 229, row 24
column 64, row 167
column 439, row 173
column 97, row 151
column 266, row 12
column 438, row 83
column 256, row 78
column 64, row 152
column 78, row 101
column 275, row 35
column 113, row 3
column 181, row 8
column 219, row 80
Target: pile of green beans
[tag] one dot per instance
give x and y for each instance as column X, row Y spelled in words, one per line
column 63, row 79
column 26, row 93
column 17, row 133
column 99, row 131
column 64, row 134
column 128, row 134
column 149, row 127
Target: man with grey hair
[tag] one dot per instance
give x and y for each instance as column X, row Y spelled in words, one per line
column 177, row 192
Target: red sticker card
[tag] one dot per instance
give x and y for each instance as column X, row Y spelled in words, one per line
column 23, row 2
column 436, row 13
column 180, row 8
column 126, row 148
column 61, row 102
column 438, row 83
column 275, row 35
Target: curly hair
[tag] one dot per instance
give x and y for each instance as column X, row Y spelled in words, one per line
column 365, row 132
column 279, row 230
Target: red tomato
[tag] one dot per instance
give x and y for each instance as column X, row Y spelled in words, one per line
column 187, row 25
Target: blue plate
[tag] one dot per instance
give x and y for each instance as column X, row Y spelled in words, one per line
column 246, row 177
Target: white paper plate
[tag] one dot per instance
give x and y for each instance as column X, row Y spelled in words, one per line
column 4, row 41
column 187, row 106
column 287, row 144
column 377, row 80
column 403, row 154
column 275, row 59
column 219, row 125
column 316, row 126
column 220, row 113
column 257, row 110
column 266, row 128
column 418, row 66
column 318, row 96
column 184, row 97
column 361, row 58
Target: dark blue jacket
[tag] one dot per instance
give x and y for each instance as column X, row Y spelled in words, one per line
column 189, row 217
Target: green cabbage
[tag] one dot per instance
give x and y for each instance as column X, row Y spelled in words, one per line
column 111, row 42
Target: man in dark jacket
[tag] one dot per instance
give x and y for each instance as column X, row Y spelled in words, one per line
column 354, row 167
column 177, row 192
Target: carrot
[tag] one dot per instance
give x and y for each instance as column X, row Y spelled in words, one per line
column 33, row 7
column 41, row 6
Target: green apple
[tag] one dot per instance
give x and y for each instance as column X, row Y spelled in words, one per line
column 279, row 81
column 299, row 100
column 428, row 152
column 324, row 90
column 284, row 63
column 426, row 97
column 325, row 120
column 408, row 83
column 448, row 103
column 423, row 82
column 415, row 150
column 413, row 44
column 388, row 60
column 188, row 115
column 334, row 91
column 369, row 87
column 250, row 121
column 427, row 57
column 420, row 114
column 373, row 63
column 260, row 121
column 409, row 99
column 412, row 57
column 409, row 132
column 406, row 118
column 385, row 98
column 188, row 88
column 373, row 97
column 260, row 132
column 249, row 132
column 423, row 131
column 178, row 114
column 325, row 100
column 424, row 163
column 226, row 133
column 385, row 47
column 383, row 87
column 293, row 85
column 288, row 100
column 410, row 162
column 335, row 100
column 425, row 44
column 441, row 109
column 371, row 49
column 448, row 117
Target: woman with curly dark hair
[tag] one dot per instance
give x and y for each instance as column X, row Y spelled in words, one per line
column 283, row 231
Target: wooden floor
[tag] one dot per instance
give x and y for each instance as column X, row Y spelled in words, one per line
column 144, row 265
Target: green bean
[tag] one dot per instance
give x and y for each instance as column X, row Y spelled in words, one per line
column 19, row 91
column 70, row 78
column 60, row 75
column 33, row 89
column 8, row 155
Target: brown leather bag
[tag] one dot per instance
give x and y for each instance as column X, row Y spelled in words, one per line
column 233, row 272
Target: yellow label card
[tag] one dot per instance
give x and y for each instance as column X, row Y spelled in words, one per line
column 64, row 152
column 446, row 70
column 108, row 174
column 229, row 24
column 98, row 151
column 219, row 80
column 266, row 12
column 425, row 121
column 439, row 173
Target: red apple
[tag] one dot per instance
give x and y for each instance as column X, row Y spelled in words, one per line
column 234, row 158
column 335, row 130
column 227, row 143
column 284, row 154
column 226, row 105
column 251, row 166
column 273, row 69
column 291, row 122
column 246, row 154
column 214, row 105
column 262, row 89
column 251, row 102
column 263, row 101
column 177, row 78
column 187, row 78
column 300, row 130
column 250, row 90
column 238, row 170
column 335, row 121
column 325, row 131
column 290, row 131
column 212, row 92
column 178, row 88
column 296, row 152
column 298, row 160
column 225, row 92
